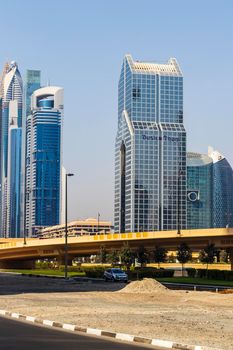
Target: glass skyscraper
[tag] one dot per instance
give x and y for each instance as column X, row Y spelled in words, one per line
column 150, row 148
column 11, row 139
column 222, row 190
column 4, row 72
column 43, row 159
column 209, row 191
column 32, row 83
column 199, row 191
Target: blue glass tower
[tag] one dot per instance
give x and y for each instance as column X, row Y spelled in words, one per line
column 12, row 98
column 14, row 178
column 32, row 83
column 43, row 159
column 222, row 190
column 199, row 191
column 209, row 191
column 150, row 148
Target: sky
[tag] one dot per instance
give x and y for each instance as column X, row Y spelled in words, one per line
column 80, row 46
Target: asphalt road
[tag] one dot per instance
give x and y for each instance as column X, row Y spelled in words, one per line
column 18, row 335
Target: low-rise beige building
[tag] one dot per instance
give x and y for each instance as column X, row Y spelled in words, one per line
column 89, row 226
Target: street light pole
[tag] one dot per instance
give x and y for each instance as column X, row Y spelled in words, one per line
column 98, row 223
column 26, row 196
column 66, row 231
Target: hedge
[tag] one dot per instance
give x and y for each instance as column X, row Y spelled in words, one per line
column 90, row 271
column 221, row 275
column 150, row 272
column 191, row 272
column 94, row 272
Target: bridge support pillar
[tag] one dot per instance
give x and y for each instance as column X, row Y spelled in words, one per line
column 231, row 257
column 27, row 264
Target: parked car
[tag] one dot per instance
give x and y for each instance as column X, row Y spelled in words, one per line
column 115, row 274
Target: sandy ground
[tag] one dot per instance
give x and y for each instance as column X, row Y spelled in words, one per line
column 201, row 318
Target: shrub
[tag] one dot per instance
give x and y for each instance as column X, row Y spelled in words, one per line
column 150, row 272
column 221, row 275
column 44, row 265
column 216, row 274
column 70, row 268
column 94, row 272
column 191, row 272
column 201, row 273
column 228, row 275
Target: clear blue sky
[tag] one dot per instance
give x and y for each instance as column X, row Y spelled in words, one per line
column 80, row 45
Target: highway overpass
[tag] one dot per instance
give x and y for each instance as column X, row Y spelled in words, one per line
column 15, row 254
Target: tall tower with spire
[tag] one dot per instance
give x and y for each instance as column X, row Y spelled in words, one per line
column 10, row 147
column 4, row 71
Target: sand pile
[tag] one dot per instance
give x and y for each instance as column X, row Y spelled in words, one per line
column 147, row 285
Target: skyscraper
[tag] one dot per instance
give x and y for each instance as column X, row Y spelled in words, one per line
column 150, row 149
column 199, row 191
column 43, row 159
column 32, row 83
column 222, row 190
column 11, row 124
column 4, row 72
column 209, row 191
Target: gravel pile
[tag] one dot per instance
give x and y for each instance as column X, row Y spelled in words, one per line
column 147, row 285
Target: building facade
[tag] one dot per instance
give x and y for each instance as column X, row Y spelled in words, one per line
column 11, row 140
column 222, row 190
column 199, row 191
column 43, row 159
column 150, row 148
column 89, row 227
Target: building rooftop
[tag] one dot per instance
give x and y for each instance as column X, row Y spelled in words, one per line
column 198, row 159
column 169, row 68
column 86, row 222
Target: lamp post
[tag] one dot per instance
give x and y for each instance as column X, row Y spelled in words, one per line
column 98, row 223
column 26, row 196
column 66, row 233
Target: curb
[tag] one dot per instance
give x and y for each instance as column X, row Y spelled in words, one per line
column 103, row 333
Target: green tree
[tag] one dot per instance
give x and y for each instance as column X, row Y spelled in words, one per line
column 113, row 257
column 142, row 255
column 159, row 255
column 184, row 254
column 103, row 255
column 127, row 256
column 207, row 255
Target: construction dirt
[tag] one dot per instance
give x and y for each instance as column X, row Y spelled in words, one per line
column 147, row 285
column 142, row 308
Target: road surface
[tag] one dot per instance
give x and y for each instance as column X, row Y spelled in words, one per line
column 18, row 335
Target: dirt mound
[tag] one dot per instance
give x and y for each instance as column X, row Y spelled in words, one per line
column 226, row 291
column 147, row 285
